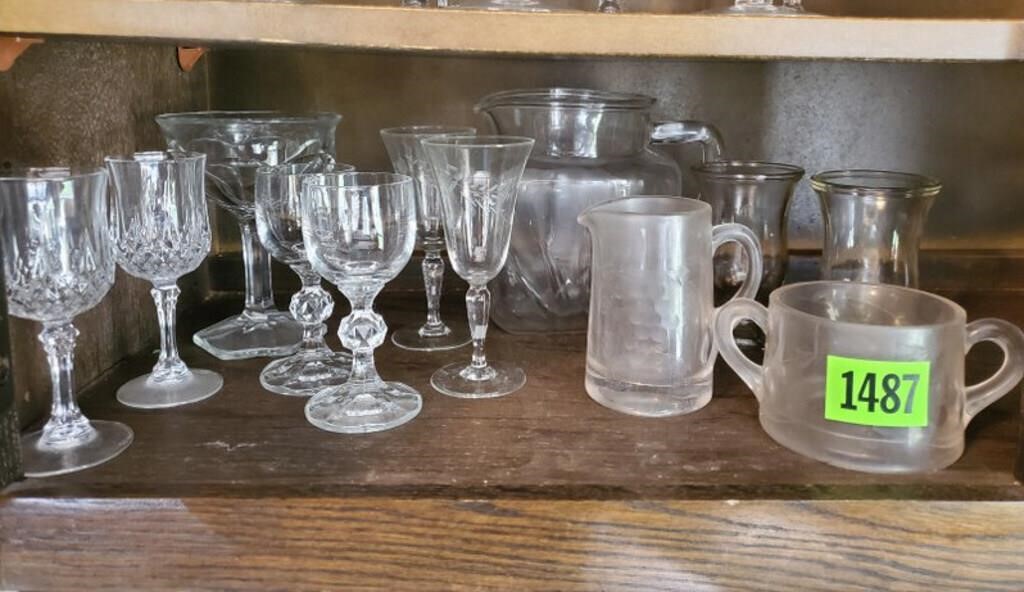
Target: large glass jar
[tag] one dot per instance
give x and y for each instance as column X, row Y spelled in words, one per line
column 591, row 147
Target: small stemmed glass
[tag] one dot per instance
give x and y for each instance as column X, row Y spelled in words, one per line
column 58, row 263
column 279, row 224
column 404, row 146
column 160, row 229
column 478, row 178
column 359, row 230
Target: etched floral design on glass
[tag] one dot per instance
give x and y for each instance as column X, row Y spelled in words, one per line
column 359, row 230
column 478, row 179
column 160, row 229
column 405, row 147
column 58, row 263
column 279, row 224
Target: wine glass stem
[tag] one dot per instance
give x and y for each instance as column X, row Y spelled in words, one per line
column 478, row 309
column 311, row 306
column 67, row 426
column 169, row 366
column 433, row 279
column 362, row 331
column 259, row 294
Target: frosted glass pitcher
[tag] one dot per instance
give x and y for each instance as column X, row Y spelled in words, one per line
column 868, row 377
column 650, row 350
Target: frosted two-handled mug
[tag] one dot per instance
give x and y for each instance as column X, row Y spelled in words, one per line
column 650, row 350
column 868, row 377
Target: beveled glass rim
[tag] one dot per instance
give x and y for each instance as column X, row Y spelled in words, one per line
column 495, row 141
column 393, row 179
column 776, row 299
column 168, row 156
column 566, row 97
column 429, row 130
column 772, row 171
column 243, row 116
column 895, row 183
column 67, row 173
column 615, row 206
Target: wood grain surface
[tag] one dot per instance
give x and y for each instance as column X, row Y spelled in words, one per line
column 404, row 544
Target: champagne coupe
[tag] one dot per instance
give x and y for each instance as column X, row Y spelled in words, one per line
column 58, row 263
column 236, row 144
column 279, row 224
column 360, row 230
column 478, row 179
column 160, row 230
column 404, row 146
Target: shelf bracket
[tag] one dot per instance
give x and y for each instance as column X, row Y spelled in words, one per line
column 12, row 47
column 188, row 56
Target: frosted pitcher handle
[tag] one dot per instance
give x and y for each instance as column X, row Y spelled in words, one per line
column 685, row 132
column 727, row 318
column 1010, row 339
column 746, row 239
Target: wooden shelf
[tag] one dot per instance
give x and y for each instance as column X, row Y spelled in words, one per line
column 542, row 489
column 962, row 34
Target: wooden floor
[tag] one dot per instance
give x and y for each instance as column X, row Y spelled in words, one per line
column 543, row 489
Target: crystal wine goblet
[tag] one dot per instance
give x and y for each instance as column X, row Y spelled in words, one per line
column 236, row 144
column 478, row 179
column 279, row 224
column 404, row 146
column 161, row 231
column 58, row 263
column 360, row 230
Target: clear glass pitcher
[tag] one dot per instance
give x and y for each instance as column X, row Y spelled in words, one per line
column 868, row 377
column 649, row 346
column 591, row 147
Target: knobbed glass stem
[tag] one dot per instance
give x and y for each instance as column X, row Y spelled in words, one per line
column 311, row 306
column 67, row 427
column 169, row 368
column 433, row 280
column 363, row 331
column 478, row 309
column 259, row 294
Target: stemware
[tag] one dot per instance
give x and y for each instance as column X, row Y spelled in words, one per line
column 279, row 225
column 160, row 230
column 404, row 146
column 359, row 230
column 236, row 144
column 58, row 263
column 478, row 179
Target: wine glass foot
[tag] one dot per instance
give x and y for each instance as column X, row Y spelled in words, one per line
column 144, row 393
column 363, row 407
column 306, row 373
column 251, row 335
column 110, row 439
column 465, row 382
column 412, row 339
column 759, row 10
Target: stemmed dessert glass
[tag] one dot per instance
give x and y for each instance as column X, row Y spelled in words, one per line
column 58, row 263
column 478, row 178
column 404, row 146
column 160, row 230
column 360, row 230
column 279, row 224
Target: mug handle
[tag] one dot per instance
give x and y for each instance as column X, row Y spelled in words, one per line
column 1010, row 339
column 740, row 234
column 685, row 132
column 727, row 318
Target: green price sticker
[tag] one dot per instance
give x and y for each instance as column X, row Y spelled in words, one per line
column 877, row 393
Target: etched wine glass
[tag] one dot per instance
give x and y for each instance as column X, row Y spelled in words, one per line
column 360, row 230
column 160, row 230
column 404, row 146
column 478, row 179
column 58, row 263
column 279, row 225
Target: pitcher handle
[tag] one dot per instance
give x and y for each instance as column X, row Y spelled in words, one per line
column 746, row 238
column 1010, row 339
column 727, row 318
column 685, row 132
